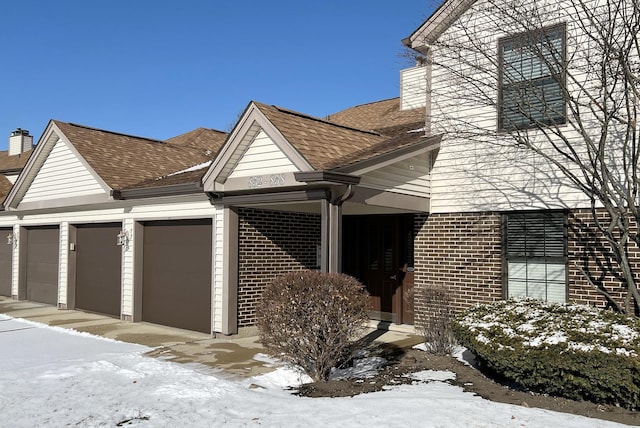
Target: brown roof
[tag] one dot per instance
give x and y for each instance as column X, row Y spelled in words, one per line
column 322, row 143
column 331, row 145
column 13, row 163
column 201, row 138
column 380, row 116
column 124, row 160
column 173, row 179
column 5, row 187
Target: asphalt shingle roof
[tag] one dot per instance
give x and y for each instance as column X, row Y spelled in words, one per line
column 334, row 143
column 123, row 161
column 380, row 116
column 13, row 163
column 5, row 187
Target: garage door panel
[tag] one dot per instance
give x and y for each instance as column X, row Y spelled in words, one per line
column 98, row 268
column 42, row 264
column 6, row 252
column 177, row 274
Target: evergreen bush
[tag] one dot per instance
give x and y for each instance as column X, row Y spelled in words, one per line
column 574, row 351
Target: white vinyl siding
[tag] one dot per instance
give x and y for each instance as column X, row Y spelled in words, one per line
column 410, row 177
column 262, row 156
column 62, row 175
column 413, row 88
column 536, row 256
column 218, row 267
column 15, row 263
column 63, row 264
column 478, row 169
column 128, row 256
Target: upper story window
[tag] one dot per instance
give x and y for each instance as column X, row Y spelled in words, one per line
column 532, row 79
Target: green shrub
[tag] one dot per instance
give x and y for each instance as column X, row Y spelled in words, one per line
column 574, row 351
column 311, row 319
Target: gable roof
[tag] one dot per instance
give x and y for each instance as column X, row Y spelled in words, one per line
column 384, row 117
column 314, row 144
column 124, row 160
column 437, row 23
column 322, row 143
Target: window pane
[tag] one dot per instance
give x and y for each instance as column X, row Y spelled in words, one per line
column 536, row 256
column 531, row 79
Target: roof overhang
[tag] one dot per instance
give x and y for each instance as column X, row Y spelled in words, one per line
column 158, row 192
column 328, row 177
column 449, row 11
column 51, row 135
column 243, row 134
column 427, row 144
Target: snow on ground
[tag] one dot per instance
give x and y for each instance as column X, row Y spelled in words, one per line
column 51, row 377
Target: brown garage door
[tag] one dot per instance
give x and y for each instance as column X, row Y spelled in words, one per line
column 177, row 274
column 42, row 264
column 98, row 268
column 6, row 251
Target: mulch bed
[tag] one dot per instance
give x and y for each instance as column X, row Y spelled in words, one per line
column 402, row 362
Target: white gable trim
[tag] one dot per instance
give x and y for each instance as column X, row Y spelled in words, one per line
column 45, row 146
column 437, row 23
column 249, row 126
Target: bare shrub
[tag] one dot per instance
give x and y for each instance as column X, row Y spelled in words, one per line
column 438, row 317
column 311, row 319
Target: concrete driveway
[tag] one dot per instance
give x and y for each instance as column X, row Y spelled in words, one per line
column 232, row 355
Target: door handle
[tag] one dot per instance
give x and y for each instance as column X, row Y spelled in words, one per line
column 394, row 277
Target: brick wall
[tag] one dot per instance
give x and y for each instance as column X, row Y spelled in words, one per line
column 461, row 252
column 591, row 264
column 271, row 243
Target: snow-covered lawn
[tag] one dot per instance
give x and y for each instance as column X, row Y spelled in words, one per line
column 51, row 377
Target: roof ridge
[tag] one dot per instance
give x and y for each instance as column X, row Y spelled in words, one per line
column 366, row 104
column 154, row 140
column 317, row 119
column 199, row 129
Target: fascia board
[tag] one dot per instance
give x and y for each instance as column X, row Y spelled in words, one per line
column 437, row 23
column 248, row 126
column 36, row 160
column 45, row 145
column 107, row 189
column 366, row 166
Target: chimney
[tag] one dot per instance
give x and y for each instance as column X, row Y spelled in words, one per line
column 19, row 142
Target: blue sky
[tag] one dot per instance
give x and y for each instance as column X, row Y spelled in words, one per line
column 159, row 68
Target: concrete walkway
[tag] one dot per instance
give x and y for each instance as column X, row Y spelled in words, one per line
column 231, row 355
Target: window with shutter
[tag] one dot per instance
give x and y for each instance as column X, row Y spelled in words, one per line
column 536, row 256
column 532, row 79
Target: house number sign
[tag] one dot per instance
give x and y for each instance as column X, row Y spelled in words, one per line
column 272, row 180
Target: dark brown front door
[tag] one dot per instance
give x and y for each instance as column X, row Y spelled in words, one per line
column 42, row 264
column 378, row 250
column 98, row 268
column 6, row 253
column 176, row 287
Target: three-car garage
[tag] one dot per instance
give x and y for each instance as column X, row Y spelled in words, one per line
column 173, row 271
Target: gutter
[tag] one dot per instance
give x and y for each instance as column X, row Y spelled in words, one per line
column 154, row 192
